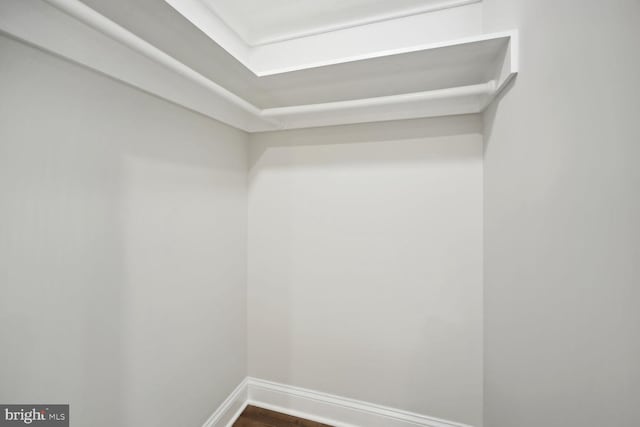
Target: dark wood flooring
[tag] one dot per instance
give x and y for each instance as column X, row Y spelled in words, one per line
column 258, row 417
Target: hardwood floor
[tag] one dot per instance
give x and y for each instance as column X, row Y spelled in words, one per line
column 258, row 417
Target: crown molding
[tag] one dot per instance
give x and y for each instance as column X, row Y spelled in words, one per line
column 433, row 103
column 432, row 7
column 434, row 23
column 210, row 23
column 72, row 30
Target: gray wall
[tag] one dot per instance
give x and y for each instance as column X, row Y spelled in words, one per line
column 122, row 248
column 365, row 263
column 562, row 219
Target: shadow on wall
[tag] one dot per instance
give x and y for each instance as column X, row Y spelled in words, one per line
column 415, row 129
column 122, row 249
column 489, row 114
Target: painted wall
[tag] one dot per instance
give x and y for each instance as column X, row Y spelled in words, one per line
column 562, row 209
column 365, row 263
column 122, row 248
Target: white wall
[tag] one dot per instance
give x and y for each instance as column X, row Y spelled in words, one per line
column 365, row 263
column 562, row 215
column 122, row 248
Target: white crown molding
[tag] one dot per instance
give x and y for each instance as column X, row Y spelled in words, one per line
column 72, row 30
column 431, row 24
column 443, row 5
column 217, row 29
column 316, row 406
column 428, row 8
column 92, row 18
column 433, row 103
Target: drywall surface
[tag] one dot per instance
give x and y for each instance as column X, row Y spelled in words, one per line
column 562, row 219
column 365, row 263
column 122, row 248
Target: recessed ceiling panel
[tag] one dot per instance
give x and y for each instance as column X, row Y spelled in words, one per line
column 265, row 21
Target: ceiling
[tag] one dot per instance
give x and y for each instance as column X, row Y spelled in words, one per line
column 160, row 24
column 433, row 69
column 266, row 21
column 151, row 45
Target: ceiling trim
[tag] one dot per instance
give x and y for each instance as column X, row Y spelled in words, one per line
column 92, row 18
column 204, row 18
column 432, row 103
column 454, row 19
column 478, row 89
column 74, row 31
column 433, row 7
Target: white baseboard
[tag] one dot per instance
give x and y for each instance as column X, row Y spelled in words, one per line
column 231, row 408
column 316, row 406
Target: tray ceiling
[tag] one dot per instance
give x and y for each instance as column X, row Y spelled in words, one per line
column 382, row 76
column 151, row 45
column 259, row 22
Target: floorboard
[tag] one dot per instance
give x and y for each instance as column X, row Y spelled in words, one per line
column 253, row 416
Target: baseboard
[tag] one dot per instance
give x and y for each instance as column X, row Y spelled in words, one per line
column 316, row 406
column 231, row 408
column 334, row 410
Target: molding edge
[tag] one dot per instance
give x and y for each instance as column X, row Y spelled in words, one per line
column 441, row 5
column 231, row 408
column 334, row 410
column 72, row 30
column 316, row 406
